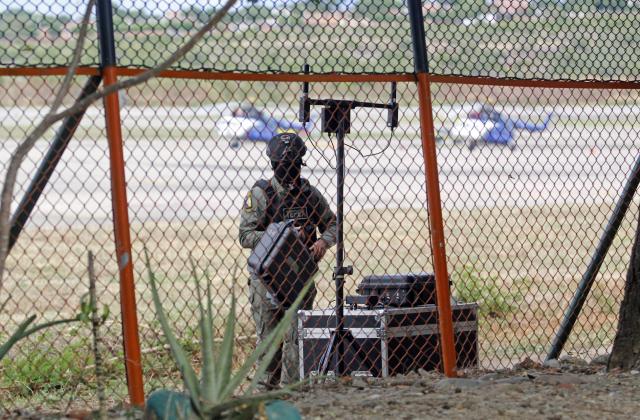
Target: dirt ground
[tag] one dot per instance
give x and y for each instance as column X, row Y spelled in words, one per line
column 569, row 389
column 572, row 389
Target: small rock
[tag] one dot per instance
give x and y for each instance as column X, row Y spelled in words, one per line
column 489, row 377
column 634, row 372
column 552, row 363
column 359, row 382
column 425, row 373
column 412, row 394
column 412, row 375
column 456, row 383
column 601, row 360
column 572, row 360
column 527, row 363
column 78, row 414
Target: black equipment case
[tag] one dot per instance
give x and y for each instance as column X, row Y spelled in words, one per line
column 400, row 290
column 388, row 341
column 282, row 262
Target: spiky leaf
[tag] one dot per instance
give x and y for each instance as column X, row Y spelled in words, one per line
column 225, row 358
column 16, row 336
column 51, row 324
column 189, row 376
column 22, row 332
column 267, row 347
column 249, row 400
column 210, row 385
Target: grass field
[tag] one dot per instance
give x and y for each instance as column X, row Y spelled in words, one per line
column 522, row 290
column 520, row 260
column 568, row 41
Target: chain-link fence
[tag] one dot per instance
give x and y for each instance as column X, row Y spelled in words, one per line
column 528, row 175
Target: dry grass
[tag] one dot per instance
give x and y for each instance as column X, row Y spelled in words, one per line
column 533, row 257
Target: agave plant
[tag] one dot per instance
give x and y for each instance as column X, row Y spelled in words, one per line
column 215, row 394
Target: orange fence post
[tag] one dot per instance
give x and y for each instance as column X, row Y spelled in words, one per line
column 131, row 338
column 445, row 317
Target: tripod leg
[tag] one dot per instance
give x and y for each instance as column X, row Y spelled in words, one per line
column 327, row 355
column 339, row 344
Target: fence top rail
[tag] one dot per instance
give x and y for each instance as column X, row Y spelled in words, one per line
column 334, row 78
column 579, row 40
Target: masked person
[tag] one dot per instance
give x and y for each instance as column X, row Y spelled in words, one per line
column 286, row 196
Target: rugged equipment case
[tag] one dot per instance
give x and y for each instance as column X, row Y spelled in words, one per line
column 400, row 290
column 282, row 262
column 391, row 341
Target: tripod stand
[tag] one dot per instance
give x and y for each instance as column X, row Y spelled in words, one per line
column 336, row 119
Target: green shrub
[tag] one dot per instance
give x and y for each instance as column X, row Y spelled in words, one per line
column 43, row 368
column 494, row 299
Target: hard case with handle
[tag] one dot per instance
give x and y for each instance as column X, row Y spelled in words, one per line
column 282, row 262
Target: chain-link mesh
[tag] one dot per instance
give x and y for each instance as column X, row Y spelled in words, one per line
column 529, row 180
column 47, row 268
column 528, row 177
column 502, row 38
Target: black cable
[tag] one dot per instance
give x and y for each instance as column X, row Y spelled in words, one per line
column 346, row 145
column 376, row 153
column 318, row 149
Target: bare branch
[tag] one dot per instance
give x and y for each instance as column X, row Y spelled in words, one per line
column 51, row 118
column 23, row 149
column 95, row 330
column 75, row 61
column 151, row 73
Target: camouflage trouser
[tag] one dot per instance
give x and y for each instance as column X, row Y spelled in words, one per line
column 284, row 367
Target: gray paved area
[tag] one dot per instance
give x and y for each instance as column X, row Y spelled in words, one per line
column 202, row 177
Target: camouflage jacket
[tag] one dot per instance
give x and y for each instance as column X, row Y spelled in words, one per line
column 254, row 213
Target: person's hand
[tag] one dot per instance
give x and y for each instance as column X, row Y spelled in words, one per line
column 319, row 248
column 302, row 233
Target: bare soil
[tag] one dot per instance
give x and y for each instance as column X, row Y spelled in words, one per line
column 575, row 390
column 570, row 389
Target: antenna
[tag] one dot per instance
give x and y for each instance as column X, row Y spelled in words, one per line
column 336, row 119
column 305, row 106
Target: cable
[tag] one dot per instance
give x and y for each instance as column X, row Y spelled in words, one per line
column 317, row 149
column 346, row 145
column 376, row 153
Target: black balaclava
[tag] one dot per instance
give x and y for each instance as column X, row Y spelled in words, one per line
column 287, row 172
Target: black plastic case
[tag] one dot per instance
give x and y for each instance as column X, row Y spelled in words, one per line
column 282, row 262
column 400, row 290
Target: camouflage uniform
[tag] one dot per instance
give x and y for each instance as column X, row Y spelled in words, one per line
column 266, row 311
